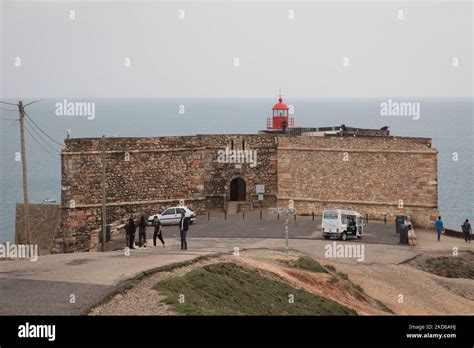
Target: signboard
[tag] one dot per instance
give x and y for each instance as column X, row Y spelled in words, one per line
column 181, row 202
column 260, row 188
column 260, row 196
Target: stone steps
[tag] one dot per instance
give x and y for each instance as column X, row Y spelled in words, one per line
column 244, row 207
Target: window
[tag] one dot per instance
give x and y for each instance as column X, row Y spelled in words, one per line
column 330, row 215
column 170, row 211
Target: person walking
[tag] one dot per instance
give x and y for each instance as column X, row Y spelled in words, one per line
column 183, row 230
column 439, row 227
column 131, row 228
column 158, row 232
column 142, row 232
column 467, row 230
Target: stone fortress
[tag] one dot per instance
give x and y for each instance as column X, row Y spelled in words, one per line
column 366, row 170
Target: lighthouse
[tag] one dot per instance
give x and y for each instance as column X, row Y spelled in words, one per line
column 280, row 120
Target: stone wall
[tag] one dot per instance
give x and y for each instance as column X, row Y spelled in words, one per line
column 44, row 223
column 373, row 175
column 146, row 175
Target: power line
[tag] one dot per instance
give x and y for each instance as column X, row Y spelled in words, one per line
column 8, row 103
column 8, row 119
column 8, row 110
column 52, row 155
column 40, row 136
column 42, row 131
column 33, row 102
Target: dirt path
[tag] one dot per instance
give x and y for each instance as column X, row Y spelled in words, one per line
column 423, row 293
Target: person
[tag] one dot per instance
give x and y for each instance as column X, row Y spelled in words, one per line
column 353, row 226
column 142, row 232
column 439, row 227
column 411, row 235
column 467, row 230
column 131, row 232
column 183, row 229
column 158, row 231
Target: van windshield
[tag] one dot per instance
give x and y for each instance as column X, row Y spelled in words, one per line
column 328, row 214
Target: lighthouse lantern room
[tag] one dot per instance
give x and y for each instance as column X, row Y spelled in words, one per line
column 280, row 120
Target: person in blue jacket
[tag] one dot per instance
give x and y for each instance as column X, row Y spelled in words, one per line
column 439, row 227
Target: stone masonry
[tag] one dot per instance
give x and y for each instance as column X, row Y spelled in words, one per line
column 377, row 176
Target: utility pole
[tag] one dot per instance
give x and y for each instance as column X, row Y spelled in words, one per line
column 26, row 206
column 104, row 200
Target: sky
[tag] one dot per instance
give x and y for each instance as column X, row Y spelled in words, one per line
column 130, row 49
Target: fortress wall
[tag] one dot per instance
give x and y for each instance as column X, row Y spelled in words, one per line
column 143, row 176
column 371, row 175
column 147, row 175
column 219, row 175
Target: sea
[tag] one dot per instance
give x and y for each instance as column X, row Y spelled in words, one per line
column 449, row 122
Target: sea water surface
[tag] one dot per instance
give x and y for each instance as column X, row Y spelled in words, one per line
column 449, row 122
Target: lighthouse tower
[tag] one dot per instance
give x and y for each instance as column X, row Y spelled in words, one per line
column 280, row 120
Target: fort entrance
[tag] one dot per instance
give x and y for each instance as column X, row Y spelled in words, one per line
column 238, row 190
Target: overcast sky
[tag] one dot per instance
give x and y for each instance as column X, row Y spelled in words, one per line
column 195, row 56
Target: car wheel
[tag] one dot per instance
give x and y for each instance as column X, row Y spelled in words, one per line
column 344, row 236
column 359, row 237
column 326, row 237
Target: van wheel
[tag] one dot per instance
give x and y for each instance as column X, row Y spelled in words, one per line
column 344, row 236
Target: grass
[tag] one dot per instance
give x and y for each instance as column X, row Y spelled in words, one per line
column 450, row 267
column 308, row 264
column 227, row 289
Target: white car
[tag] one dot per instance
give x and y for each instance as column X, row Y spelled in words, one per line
column 172, row 215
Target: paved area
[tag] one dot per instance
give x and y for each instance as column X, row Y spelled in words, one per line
column 250, row 225
column 45, row 287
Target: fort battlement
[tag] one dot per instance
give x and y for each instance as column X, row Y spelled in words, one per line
column 375, row 175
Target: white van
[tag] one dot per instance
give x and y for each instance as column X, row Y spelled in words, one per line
column 341, row 224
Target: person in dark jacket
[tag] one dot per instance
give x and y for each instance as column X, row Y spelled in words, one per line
column 183, row 230
column 142, row 232
column 131, row 228
column 467, row 230
column 158, row 232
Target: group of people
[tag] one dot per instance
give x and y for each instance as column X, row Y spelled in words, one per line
column 466, row 229
column 131, row 228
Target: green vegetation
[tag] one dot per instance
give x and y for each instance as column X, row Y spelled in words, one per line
column 307, row 264
column 451, row 266
column 227, row 289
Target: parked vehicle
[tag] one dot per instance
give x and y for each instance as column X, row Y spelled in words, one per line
column 172, row 215
column 338, row 223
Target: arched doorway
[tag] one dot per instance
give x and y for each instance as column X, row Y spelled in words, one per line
column 238, row 190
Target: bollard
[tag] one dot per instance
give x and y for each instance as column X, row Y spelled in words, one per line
column 278, row 216
column 225, row 214
column 366, row 218
column 313, row 215
column 243, row 216
column 294, row 217
column 385, row 219
column 260, row 215
column 208, row 216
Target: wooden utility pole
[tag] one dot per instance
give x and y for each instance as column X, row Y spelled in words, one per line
column 104, row 200
column 26, row 206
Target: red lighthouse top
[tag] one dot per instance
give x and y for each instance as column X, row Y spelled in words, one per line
column 280, row 105
column 280, row 120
